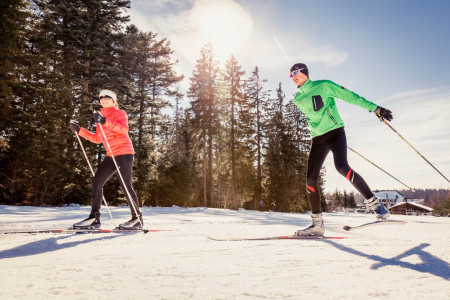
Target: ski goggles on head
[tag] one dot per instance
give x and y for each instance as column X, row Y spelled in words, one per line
column 295, row 72
column 107, row 97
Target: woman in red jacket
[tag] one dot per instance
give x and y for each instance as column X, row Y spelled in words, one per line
column 115, row 126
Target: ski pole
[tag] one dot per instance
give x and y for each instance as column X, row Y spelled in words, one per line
column 380, row 168
column 93, row 174
column 386, row 122
column 133, row 205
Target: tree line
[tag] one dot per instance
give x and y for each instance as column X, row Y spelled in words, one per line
column 227, row 141
column 438, row 199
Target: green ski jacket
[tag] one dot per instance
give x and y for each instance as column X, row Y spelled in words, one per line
column 316, row 99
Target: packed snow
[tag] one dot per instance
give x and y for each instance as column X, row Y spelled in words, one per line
column 408, row 261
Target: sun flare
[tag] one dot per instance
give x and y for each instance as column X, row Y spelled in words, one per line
column 223, row 23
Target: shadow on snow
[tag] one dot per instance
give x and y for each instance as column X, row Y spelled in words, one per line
column 430, row 263
column 47, row 245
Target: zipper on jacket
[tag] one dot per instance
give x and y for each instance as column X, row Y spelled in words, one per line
column 331, row 117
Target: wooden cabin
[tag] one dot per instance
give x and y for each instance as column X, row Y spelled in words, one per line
column 410, row 208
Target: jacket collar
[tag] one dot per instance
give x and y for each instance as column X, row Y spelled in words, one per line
column 305, row 87
column 108, row 111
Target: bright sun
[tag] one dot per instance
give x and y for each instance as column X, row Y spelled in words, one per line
column 223, row 23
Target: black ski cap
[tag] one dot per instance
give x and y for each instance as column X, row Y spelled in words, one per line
column 302, row 67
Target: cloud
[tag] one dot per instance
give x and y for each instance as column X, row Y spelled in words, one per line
column 298, row 49
column 407, row 94
column 162, row 5
column 325, row 55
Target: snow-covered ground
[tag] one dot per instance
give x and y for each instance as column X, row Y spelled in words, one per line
column 387, row 262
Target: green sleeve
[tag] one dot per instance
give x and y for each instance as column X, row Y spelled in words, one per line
column 350, row 97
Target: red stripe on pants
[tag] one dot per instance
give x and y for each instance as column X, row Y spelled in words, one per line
column 348, row 174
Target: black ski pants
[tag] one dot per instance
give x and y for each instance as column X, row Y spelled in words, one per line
column 336, row 142
column 104, row 172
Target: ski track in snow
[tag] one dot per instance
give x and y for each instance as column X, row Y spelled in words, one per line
column 388, row 261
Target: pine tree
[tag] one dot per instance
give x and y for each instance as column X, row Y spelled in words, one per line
column 286, row 157
column 351, row 200
column 299, row 135
column 203, row 92
column 150, row 82
column 14, row 113
column 237, row 120
column 176, row 184
column 258, row 100
column 283, row 160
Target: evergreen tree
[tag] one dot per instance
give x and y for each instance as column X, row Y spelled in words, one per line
column 14, row 113
column 351, row 200
column 299, row 136
column 203, row 92
column 338, row 199
column 150, row 82
column 258, row 100
column 345, row 200
column 282, row 162
column 176, row 169
column 237, row 124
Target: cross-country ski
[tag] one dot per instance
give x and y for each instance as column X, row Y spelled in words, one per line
column 374, row 223
column 79, row 231
column 280, row 237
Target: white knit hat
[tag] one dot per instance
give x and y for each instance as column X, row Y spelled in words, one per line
column 108, row 93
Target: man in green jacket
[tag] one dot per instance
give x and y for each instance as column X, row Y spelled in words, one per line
column 316, row 99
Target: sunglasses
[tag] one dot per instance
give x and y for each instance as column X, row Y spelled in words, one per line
column 107, row 97
column 295, row 72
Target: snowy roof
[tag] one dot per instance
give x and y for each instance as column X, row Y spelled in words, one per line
column 390, row 193
column 414, row 204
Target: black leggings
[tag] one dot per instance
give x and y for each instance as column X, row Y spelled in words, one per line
column 335, row 141
column 105, row 170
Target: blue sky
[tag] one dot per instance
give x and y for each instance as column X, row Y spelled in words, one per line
column 393, row 53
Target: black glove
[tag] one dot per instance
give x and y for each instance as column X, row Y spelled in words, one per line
column 383, row 113
column 74, row 127
column 97, row 118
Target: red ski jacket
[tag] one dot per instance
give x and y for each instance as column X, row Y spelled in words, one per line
column 116, row 131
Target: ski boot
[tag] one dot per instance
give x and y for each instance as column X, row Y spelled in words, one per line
column 380, row 211
column 316, row 229
column 134, row 224
column 92, row 222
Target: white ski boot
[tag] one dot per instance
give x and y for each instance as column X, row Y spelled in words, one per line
column 316, row 229
column 92, row 222
column 133, row 224
column 380, row 211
